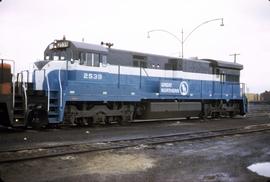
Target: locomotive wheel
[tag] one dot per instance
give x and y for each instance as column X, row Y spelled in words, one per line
column 123, row 121
column 89, row 121
column 109, row 120
column 232, row 114
column 202, row 116
column 81, row 122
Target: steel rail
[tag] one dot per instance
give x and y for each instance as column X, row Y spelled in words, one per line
column 61, row 150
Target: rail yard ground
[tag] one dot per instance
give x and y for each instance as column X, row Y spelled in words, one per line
column 224, row 158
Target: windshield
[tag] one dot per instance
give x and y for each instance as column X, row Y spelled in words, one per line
column 57, row 55
column 41, row 64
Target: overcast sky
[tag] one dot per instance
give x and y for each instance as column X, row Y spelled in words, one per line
column 28, row 26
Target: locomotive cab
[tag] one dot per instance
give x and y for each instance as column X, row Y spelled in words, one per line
column 86, row 54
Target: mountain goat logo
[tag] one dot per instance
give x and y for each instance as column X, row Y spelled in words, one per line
column 183, row 88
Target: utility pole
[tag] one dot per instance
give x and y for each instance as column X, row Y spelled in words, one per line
column 182, row 44
column 234, row 55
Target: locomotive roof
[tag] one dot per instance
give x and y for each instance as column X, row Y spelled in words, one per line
column 95, row 47
column 225, row 64
column 99, row 48
column 83, row 45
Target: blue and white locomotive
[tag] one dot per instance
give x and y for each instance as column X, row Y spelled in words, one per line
column 86, row 83
column 80, row 84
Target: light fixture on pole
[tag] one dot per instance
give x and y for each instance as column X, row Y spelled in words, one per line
column 183, row 40
column 165, row 31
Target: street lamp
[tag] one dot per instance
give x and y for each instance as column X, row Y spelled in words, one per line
column 173, row 35
column 183, row 40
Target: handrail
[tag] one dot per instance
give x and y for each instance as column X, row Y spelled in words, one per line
column 24, row 85
column 25, row 96
column 48, row 89
column 142, row 68
column 18, row 74
column 140, row 77
column 48, row 86
column 34, row 77
column 27, row 71
column 27, row 79
column 119, row 74
column 145, row 72
column 242, row 90
column 60, row 86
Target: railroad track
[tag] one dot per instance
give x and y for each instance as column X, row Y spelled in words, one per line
column 60, row 150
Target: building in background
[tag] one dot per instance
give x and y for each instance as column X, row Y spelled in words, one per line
column 265, row 96
column 253, row 97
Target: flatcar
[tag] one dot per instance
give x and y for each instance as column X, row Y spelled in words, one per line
column 82, row 84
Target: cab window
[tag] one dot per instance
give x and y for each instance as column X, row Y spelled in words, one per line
column 89, row 59
column 104, row 59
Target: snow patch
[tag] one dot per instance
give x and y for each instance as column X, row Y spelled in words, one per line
column 120, row 163
column 262, row 169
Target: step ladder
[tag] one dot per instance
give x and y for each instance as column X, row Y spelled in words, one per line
column 19, row 111
column 53, row 107
column 20, row 105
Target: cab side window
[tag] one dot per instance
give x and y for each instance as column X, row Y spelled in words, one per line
column 104, row 60
column 139, row 61
column 89, row 59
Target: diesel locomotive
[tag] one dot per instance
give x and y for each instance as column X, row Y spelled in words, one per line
column 78, row 83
